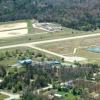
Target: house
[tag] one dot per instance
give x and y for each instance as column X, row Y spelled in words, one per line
column 68, row 84
column 27, row 61
column 58, row 95
column 53, row 62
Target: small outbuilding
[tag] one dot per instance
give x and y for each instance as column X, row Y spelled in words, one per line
column 27, row 61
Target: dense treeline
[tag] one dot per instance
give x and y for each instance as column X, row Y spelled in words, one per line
column 77, row 14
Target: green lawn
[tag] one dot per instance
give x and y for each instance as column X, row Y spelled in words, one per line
column 2, row 97
column 69, row 96
column 16, row 70
column 13, row 60
column 32, row 30
column 10, row 61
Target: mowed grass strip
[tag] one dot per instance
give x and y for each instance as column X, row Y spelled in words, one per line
column 31, row 29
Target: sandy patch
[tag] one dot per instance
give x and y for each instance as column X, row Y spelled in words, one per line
column 13, row 33
column 73, row 59
column 13, row 26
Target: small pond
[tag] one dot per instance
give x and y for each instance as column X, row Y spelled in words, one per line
column 95, row 49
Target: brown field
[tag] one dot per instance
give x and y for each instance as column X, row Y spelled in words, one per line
column 67, row 48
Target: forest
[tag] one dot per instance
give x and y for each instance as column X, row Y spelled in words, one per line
column 76, row 14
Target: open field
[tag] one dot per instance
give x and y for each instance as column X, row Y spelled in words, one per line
column 66, row 47
column 31, row 29
column 11, row 60
column 62, row 43
column 13, row 33
column 7, row 27
column 83, row 41
column 2, row 96
column 18, row 35
column 75, row 47
column 66, row 32
column 13, row 30
column 22, row 50
column 68, row 96
column 93, row 57
column 17, row 29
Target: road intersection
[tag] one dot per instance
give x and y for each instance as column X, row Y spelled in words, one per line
column 33, row 45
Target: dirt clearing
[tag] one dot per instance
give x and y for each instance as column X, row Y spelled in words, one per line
column 13, row 33
column 13, row 30
column 6, row 27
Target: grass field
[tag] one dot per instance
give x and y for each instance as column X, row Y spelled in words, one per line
column 43, row 36
column 17, row 28
column 22, row 50
column 31, row 29
column 93, row 57
column 67, row 48
column 64, row 47
column 69, row 96
column 12, row 60
column 2, row 97
column 36, row 34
